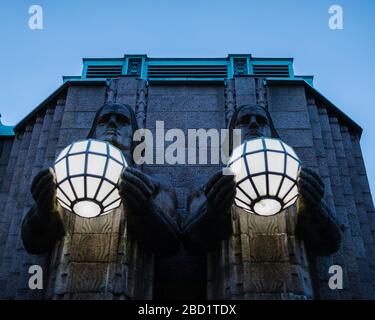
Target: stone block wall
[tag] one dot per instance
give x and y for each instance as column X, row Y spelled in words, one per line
column 5, row 149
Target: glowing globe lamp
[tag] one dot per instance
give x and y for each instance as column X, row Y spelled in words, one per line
column 87, row 173
column 266, row 172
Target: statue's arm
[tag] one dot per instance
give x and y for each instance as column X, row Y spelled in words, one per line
column 42, row 226
column 151, row 207
column 209, row 215
column 316, row 224
column 39, row 235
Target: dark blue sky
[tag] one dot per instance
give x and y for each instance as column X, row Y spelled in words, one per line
column 32, row 62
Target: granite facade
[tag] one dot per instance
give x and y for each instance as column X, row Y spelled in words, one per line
column 324, row 141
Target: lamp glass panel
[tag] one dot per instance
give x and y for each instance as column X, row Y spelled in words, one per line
column 113, row 206
column 274, row 183
column 285, row 187
column 255, row 162
column 76, row 164
column 267, row 207
column 112, row 197
column 63, row 205
column 79, row 186
column 239, row 168
column 241, row 196
column 105, row 188
column 99, row 147
column 260, row 184
column 61, row 196
column 237, row 152
column 115, row 153
column 248, row 188
column 290, row 202
column 86, row 209
column 291, row 194
column 92, row 185
column 113, row 170
column 272, row 144
column 78, row 147
column 60, row 170
column 96, row 164
column 65, row 186
column 254, row 145
column 275, row 161
column 292, row 167
column 242, row 205
column 290, row 150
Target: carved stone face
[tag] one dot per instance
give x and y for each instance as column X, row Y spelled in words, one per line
column 115, row 126
column 253, row 122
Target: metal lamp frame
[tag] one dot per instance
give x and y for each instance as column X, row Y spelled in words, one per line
column 266, row 172
column 102, row 178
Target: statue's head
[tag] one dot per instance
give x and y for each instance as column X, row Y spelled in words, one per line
column 253, row 121
column 115, row 123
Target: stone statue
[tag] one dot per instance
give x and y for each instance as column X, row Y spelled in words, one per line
column 149, row 201
column 256, row 257
column 248, row 256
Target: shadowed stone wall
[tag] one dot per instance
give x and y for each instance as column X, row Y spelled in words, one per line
column 5, row 149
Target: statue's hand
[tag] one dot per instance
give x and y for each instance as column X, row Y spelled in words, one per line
column 315, row 224
column 43, row 190
column 220, row 191
column 310, row 187
column 209, row 219
column 136, row 189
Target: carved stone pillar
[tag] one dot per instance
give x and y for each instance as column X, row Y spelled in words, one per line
column 141, row 104
column 97, row 259
column 111, row 93
column 261, row 260
column 261, row 93
column 230, row 100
